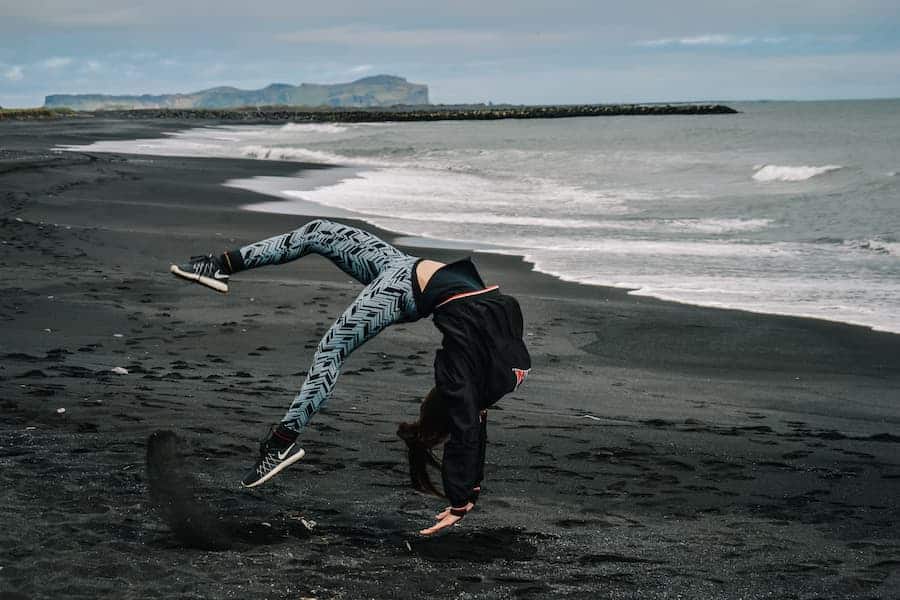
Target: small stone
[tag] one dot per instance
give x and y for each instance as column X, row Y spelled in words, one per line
column 47, row 329
column 309, row 524
column 60, row 411
column 119, row 370
column 264, row 524
column 118, row 335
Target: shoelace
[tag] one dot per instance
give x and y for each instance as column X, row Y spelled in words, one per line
column 264, row 444
column 202, row 264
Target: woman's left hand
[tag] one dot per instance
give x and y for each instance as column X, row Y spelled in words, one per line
column 446, row 519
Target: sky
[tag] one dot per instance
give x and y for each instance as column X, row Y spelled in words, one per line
column 466, row 51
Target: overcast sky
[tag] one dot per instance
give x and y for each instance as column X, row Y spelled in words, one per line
column 520, row 51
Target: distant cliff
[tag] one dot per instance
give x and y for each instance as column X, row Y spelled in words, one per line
column 378, row 91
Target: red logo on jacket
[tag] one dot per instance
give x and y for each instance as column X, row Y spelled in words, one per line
column 520, row 374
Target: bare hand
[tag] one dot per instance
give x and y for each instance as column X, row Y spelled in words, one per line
column 445, row 519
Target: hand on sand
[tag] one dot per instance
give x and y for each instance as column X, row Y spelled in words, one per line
column 446, row 519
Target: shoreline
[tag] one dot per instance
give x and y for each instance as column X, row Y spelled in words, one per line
column 301, row 207
column 310, row 173
column 291, row 202
column 656, row 449
column 297, row 206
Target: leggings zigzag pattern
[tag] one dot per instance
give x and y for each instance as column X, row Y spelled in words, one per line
column 387, row 298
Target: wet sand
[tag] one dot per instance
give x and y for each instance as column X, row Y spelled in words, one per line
column 657, row 449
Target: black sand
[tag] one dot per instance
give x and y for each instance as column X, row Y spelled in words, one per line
column 657, row 450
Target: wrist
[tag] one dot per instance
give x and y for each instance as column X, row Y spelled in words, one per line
column 461, row 511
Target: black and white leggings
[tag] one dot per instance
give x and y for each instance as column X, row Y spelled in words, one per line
column 387, row 298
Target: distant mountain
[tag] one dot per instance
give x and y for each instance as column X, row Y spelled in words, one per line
column 380, row 90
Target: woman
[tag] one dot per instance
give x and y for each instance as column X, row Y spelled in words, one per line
column 482, row 356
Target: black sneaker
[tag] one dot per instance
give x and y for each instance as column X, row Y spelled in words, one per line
column 277, row 452
column 205, row 270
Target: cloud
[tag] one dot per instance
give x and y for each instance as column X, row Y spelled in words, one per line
column 57, row 62
column 724, row 40
column 710, row 39
column 14, row 73
column 359, row 69
column 411, row 38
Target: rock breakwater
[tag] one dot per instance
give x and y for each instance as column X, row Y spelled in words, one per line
column 411, row 113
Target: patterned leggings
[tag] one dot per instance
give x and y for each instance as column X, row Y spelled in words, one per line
column 387, row 298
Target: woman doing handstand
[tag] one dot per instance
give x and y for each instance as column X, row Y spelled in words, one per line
column 482, row 355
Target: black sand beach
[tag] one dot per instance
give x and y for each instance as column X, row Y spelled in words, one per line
column 658, row 450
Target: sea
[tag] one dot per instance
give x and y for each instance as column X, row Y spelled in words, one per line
column 788, row 208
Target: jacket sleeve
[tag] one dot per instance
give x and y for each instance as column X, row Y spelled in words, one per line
column 463, row 454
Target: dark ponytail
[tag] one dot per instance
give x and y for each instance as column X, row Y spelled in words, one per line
column 421, row 436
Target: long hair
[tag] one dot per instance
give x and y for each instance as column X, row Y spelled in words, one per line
column 430, row 430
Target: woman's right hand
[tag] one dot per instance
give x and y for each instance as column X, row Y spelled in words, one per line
column 447, row 518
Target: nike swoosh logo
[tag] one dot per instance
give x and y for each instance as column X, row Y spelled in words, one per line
column 220, row 275
column 283, row 455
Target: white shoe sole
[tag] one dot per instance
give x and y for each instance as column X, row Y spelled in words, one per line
column 294, row 458
column 214, row 284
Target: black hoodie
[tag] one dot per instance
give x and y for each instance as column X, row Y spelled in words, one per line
column 482, row 357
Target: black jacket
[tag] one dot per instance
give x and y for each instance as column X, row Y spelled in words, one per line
column 482, row 357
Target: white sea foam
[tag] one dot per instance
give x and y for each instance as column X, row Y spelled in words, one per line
column 785, row 173
column 839, row 299
column 876, row 246
column 637, row 248
column 715, row 225
column 294, row 128
column 291, row 154
column 410, row 191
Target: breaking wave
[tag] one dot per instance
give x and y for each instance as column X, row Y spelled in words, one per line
column 876, row 246
column 291, row 154
column 312, row 128
column 786, row 173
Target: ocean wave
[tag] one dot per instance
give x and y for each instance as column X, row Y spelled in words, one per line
column 876, row 246
column 768, row 173
column 312, row 128
column 715, row 225
column 654, row 248
column 413, row 191
column 480, row 218
column 292, row 154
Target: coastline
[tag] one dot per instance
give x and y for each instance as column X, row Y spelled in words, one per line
column 658, row 448
column 340, row 191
